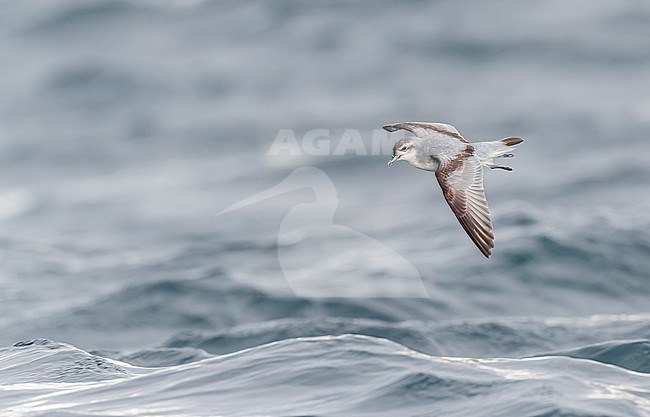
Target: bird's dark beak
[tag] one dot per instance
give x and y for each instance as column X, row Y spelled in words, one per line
column 393, row 159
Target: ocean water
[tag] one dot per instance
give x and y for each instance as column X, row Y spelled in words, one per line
column 127, row 126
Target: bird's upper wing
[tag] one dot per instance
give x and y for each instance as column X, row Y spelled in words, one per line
column 421, row 130
column 461, row 180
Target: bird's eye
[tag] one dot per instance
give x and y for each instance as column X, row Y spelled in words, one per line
column 403, row 148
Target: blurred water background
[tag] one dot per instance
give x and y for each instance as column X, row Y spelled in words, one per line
column 125, row 126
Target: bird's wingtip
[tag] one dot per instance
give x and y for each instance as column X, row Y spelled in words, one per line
column 389, row 128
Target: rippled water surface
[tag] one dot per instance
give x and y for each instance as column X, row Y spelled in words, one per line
column 126, row 126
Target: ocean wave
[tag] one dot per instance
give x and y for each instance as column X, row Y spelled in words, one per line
column 598, row 266
column 632, row 354
column 43, row 361
column 351, row 375
column 156, row 357
column 154, row 310
column 216, row 306
column 480, row 338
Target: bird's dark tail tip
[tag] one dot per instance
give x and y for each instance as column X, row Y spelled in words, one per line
column 511, row 141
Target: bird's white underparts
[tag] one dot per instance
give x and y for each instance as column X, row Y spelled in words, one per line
column 458, row 166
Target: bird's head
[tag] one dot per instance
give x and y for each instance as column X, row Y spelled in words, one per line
column 404, row 149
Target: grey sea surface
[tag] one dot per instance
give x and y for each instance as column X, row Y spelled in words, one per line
column 126, row 126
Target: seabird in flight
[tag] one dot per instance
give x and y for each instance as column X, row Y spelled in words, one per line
column 458, row 165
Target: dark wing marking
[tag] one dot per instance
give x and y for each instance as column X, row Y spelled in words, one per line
column 461, row 180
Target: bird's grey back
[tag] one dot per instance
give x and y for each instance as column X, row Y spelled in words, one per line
column 443, row 146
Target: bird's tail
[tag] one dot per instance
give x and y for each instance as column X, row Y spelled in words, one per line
column 502, row 148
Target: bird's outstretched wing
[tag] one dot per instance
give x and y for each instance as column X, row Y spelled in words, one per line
column 461, row 180
column 421, row 130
